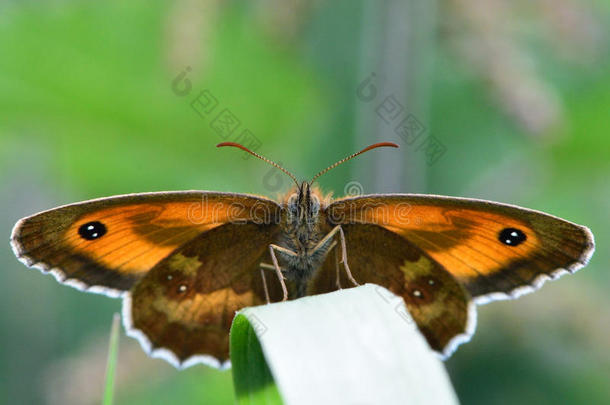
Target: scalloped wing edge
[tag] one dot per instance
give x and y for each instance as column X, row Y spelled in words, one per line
column 163, row 352
column 541, row 279
column 57, row 273
column 460, row 339
column 536, row 284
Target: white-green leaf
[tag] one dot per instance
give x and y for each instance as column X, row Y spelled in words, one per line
column 353, row 346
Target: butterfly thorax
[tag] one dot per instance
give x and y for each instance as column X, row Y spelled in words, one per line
column 302, row 231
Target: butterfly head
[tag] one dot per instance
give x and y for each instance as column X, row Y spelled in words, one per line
column 303, row 205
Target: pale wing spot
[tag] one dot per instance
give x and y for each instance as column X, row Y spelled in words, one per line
column 413, row 270
column 186, row 265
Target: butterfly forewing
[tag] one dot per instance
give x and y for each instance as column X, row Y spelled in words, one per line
column 495, row 250
column 106, row 245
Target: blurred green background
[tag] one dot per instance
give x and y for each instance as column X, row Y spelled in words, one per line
column 511, row 102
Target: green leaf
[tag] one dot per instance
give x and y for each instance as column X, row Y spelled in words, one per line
column 252, row 378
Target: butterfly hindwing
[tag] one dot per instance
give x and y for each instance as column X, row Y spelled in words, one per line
column 106, row 245
column 439, row 305
column 183, row 308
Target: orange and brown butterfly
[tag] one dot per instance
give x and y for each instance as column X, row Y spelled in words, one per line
column 185, row 262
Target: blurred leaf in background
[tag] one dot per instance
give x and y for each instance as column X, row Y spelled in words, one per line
column 517, row 92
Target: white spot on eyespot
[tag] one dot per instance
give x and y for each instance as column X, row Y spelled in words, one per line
column 417, row 293
column 182, row 288
column 169, row 276
column 431, row 282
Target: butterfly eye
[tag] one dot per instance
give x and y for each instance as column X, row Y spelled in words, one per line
column 512, row 237
column 315, row 206
column 92, row 230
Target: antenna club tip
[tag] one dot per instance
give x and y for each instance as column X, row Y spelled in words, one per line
column 377, row 145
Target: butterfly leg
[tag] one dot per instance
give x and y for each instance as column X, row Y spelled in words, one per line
column 344, row 256
column 337, row 266
column 338, row 279
column 332, row 234
column 266, row 266
column 278, row 270
column 265, row 286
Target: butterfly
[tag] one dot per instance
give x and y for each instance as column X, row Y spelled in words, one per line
column 185, row 262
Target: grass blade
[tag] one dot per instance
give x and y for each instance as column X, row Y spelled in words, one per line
column 113, row 352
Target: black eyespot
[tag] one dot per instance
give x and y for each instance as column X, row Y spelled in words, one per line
column 512, row 237
column 92, row 230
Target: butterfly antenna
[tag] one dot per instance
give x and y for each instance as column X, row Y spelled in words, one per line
column 272, row 163
column 373, row 146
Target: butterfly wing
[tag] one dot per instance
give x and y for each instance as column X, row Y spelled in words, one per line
column 107, row 245
column 493, row 251
column 182, row 309
column 440, row 306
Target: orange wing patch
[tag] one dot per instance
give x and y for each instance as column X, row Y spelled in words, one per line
column 490, row 247
column 139, row 236
column 460, row 239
